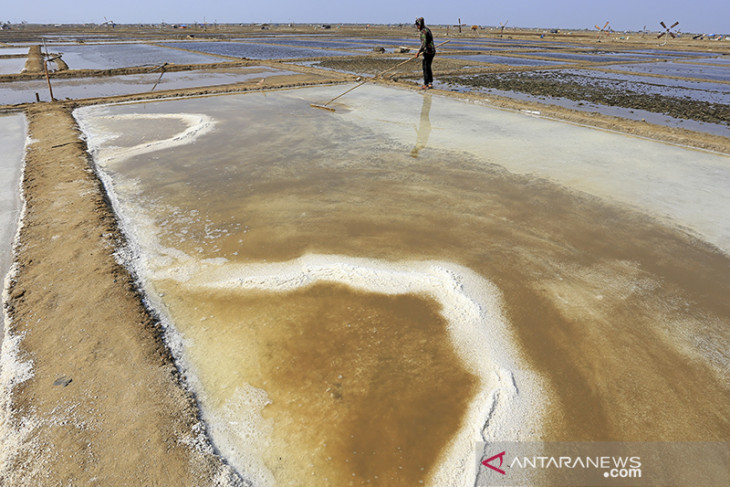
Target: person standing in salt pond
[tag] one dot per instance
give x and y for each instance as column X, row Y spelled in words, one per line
column 429, row 51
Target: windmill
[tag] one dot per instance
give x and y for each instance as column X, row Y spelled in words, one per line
column 605, row 28
column 502, row 25
column 109, row 22
column 668, row 31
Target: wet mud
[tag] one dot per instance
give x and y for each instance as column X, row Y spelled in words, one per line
column 554, row 84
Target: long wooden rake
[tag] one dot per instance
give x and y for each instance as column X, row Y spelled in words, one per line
column 324, row 106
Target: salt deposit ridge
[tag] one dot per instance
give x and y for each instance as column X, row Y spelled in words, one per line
column 508, row 403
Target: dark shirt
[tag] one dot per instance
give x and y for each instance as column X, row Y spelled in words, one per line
column 427, row 45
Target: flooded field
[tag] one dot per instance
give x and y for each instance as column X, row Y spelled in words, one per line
column 307, row 261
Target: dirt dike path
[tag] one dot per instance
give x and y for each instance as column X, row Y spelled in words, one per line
column 105, row 404
column 34, row 63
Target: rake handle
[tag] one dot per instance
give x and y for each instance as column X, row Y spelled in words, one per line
column 376, row 76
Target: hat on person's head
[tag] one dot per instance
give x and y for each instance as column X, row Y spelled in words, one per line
column 420, row 22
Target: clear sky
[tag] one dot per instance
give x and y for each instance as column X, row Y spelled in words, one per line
column 700, row 16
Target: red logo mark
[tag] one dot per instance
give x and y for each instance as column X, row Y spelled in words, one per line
column 501, row 459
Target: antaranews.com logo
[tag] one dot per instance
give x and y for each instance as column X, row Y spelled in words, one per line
column 603, row 464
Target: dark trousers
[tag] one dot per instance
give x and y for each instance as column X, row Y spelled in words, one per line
column 427, row 73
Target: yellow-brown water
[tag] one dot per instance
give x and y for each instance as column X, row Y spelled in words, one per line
column 592, row 289
column 361, row 387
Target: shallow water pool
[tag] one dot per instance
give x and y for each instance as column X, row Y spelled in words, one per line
column 12, row 65
column 305, row 260
column 12, row 143
column 258, row 51
column 110, row 56
column 683, row 69
column 93, row 87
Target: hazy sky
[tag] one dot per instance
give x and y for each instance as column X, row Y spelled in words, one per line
column 706, row 16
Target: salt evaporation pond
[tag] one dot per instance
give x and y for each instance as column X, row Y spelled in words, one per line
column 258, row 51
column 110, row 56
column 296, row 353
column 586, row 57
column 721, row 60
column 683, row 69
column 627, row 113
column 13, row 51
column 12, row 143
column 327, row 321
column 93, row 87
column 704, row 91
column 678, row 88
column 314, row 43
column 512, row 61
column 12, row 65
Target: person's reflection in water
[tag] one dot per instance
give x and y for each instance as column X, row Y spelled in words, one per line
column 424, row 128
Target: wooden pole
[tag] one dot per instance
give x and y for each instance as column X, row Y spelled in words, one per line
column 45, row 68
column 48, row 79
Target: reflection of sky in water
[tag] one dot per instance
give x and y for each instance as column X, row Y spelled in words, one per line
column 257, row 51
column 357, row 43
column 512, row 61
column 716, row 73
column 11, row 51
column 460, row 44
column 12, row 65
column 684, row 89
column 468, row 47
column 315, row 43
column 631, row 114
column 109, row 56
column 718, row 60
column 675, row 53
column 594, row 58
column 530, row 43
column 77, row 88
column 396, row 41
column 679, row 88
